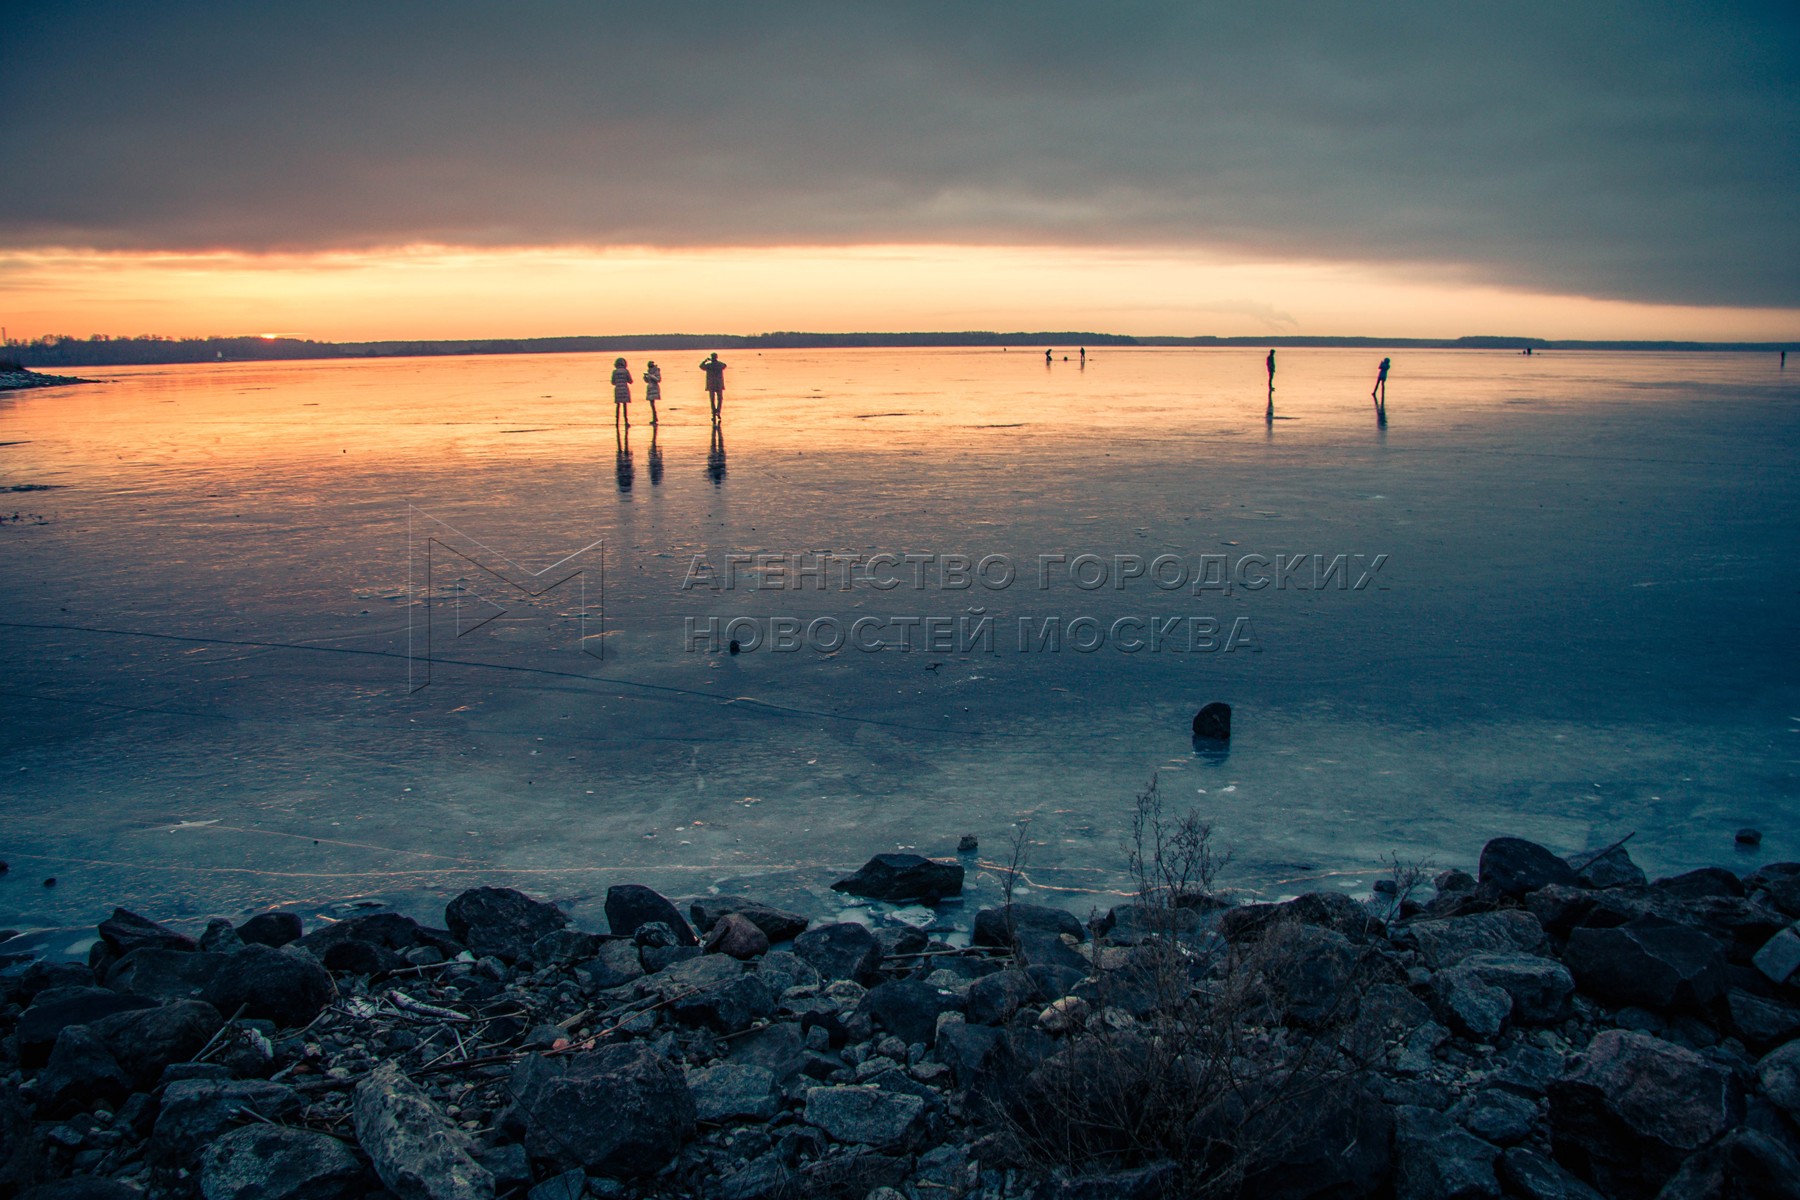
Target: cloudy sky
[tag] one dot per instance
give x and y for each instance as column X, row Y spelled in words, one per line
column 1566, row 170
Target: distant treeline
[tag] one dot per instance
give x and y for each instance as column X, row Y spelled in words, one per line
column 100, row 350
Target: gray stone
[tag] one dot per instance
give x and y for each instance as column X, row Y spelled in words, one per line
column 730, row 1091
column 777, row 1047
column 501, row 921
column 274, row 1162
column 195, row 1112
column 1495, row 1115
column 909, row 1008
column 273, row 929
column 1779, row 958
column 863, row 1114
column 1446, row 942
column 126, row 931
column 1635, row 1107
column 53, row 1009
column 736, row 935
column 1650, row 961
column 631, row 905
column 1746, row 1164
column 1435, row 1160
column 783, row 970
column 1612, row 869
column 220, row 937
column 777, row 925
column 1312, row 974
column 1385, row 1017
column 1539, row 987
column 1778, row 1075
column 146, row 1041
column 416, row 1150
column 80, row 1074
column 1759, row 1022
column 163, row 974
column 570, row 1185
column 1535, row 1177
column 901, row 878
column 564, row 947
column 1513, row 866
column 288, row 988
column 1326, row 910
column 729, row 1007
column 1003, row 926
column 615, row 963
column 994, row 998
column 1469, row 1005
column 844, row 950
column 619, row 1110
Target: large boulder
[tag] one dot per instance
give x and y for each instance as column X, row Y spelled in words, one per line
column 909, row 1008
column 500, row 921
column 147, row 1040
column 777, row 925
column 1702, row 883
column 1635, row 1107
column 276, row 1162
column 1447, row 941
column 1539, row 987
column 731, row 1091
column 126, row 931
column 845, row 950
column 287, row 988
column 1005, row 925
column 387, row 929
column 729, row 1008
column 273, row 929
column 631, row 905
column 161, row 974
column 864, row 1114
column 80, row 1074
column 1529, row 1174
column 416, row 1150
column 1745, row 1164
column 903, row 878
column 1469, row 1004
column 619, row 1110
column 1313, row 974
column 1778, row 1075
column 54, row 1009
column 1611, row 869
column 1327, row 910
column 1650, row 962
column 1513, row 866
column 1777, row 885
column 1435, row 1160
column 735, row 934
column 196, row 1112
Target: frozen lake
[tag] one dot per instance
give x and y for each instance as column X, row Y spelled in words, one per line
column 220, row 693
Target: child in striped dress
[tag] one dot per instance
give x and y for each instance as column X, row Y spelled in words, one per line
column 621, row 381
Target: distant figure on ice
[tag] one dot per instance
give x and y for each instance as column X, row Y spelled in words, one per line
column 1378, row 393
column 652, row 387
column 715, row 384
column 1084, row 356
column 1046, row 356
column 1271, row 370
column 621, row 381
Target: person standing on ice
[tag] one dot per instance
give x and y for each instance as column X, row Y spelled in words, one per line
column 1379, row 392
column 621, row 381
column 715, row 384
column 652, row 386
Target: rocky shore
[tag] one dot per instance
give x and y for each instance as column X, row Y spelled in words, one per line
column 1539, row 1028
column 14, row 377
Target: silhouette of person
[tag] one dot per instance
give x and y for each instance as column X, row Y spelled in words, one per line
column 1378, row 393
column 622, row 466
column 715, row 384
column 652, row 392
column 1784, row 360
column 1084, row 356
column 621, row 381
column 715, row 456
column 1271, row 370
column 656, row 461
column 1046, row 356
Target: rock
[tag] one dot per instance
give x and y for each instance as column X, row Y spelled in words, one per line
column 1539, row 987
column 1213, row 722
column 1513, row 866
column 1748, row 837
column 1325, row 910
column 161, row 974
column 901, row 941
column 619, row 1110
column 507, row 1163
column 287, row 988
column 1778, row 1075
column 1745, row 1164
column 993, row 999
column 416, row 1150
column 1337, row 1144
column 1005, row 925
column 125, row 931
column 1312, row 974
column 844, row 950
column 501, row 921
column 1153, row 1182
column 1778, row 884
column 901, row 878
column 1063, row 1016
column 570, row 1185
column 909, row 1008
column 1635, row 1107
column 736, row 935
column 563, row 947
column 1696, row 885
column 1535, row 1177
column 1386, row 1016
column 776, row 1048
column 728, row 1008
column 272, row 929
column 1496, row 1115
column 361, row 958
column 731, row 1090
column 863, row 1114
column 1435, row 1160
column 83, row 1188
column 1446, row 942
column 1469, row 1005
column 690, row 976
column 196, row 1112
column 968, row 1050
column 1759, row 1022
column 1613, row 869
column 220, row 937
column 629, row 905
column 274, row 1162
column 395, row 932
column 54, row 1009
column 777, row 925
column 146, row 1041
column 615, row 964
column 1779, row 958
column 968, row 844
column 1650, row 961
column 80, row 1074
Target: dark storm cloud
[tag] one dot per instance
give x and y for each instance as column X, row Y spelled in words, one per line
column 1643, row 151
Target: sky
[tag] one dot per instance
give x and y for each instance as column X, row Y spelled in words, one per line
column 353, row 171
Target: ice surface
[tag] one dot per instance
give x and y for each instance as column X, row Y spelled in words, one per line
column 1585, row 625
